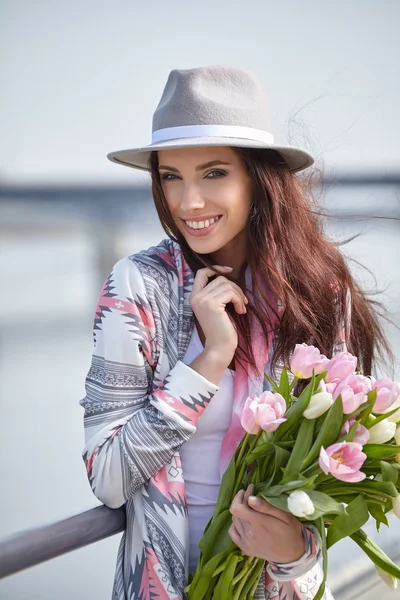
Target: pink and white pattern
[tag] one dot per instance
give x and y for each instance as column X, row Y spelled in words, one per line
column 142, row 403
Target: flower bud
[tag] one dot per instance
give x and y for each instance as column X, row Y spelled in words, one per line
column 300, row 504
column 388, row 579
column 382, row 432
column 388, row 392
column 318, row 405
column 395, row 417
column 306, row 359
column 340, row 366
column 396, row 505
column 397, row 436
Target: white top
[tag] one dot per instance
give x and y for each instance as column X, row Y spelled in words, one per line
column 200, row 454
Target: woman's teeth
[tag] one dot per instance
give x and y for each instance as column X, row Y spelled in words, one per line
column 201, row 224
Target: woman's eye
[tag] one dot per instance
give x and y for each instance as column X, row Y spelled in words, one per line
column 214, row 174
column 168, row 177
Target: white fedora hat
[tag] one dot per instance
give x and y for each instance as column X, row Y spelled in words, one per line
column 212, row 106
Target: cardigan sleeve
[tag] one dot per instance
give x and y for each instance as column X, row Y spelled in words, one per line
column 131, row 429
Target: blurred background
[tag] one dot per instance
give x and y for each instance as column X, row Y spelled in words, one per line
column 80, row 79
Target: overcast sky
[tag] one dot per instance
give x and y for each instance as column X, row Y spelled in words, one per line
column 83, row 77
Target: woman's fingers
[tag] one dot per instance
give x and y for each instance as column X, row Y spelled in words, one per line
column 224, row 296
column 203, row 275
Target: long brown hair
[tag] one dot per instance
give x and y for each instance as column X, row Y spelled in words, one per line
column 287, row 247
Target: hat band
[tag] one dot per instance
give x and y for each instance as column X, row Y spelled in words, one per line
column 229, row 131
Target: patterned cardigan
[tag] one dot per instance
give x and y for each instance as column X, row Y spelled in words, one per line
column 142, row 403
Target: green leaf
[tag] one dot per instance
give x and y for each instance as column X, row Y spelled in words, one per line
column 367, row 485
column 359, row 411
column 318, row 379
column 379, row 451
column 275, row 387
column 323, row 504
column 281, row 458
column 377, row 513
column 202, row 578
column 328, row 433
column 288, row 444
column 223, row 589
column 294, row 413
column 216, row 538
column 284, row 385
column 225, row 491
column 301, row 448
column 349, row 437
column 378, row 557
column 346, row 524
column 389, row 472
column 260, row 451
column 381, row 417
column 248, row 583
column 368, row 410
column 277, row 501
column 277, row 490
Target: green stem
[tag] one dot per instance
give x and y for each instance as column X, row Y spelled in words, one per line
column 313, row 469
column 244, row 570
column 221, row 568
column 252, row 580
column 242, row 449
column 256, row 579
column 242, row 467
column 292, row 385
column 246, row 582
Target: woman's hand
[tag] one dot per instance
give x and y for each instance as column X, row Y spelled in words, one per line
column 208, row 301
column 264, row 531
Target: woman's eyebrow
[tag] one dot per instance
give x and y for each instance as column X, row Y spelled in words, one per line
column 213, row 163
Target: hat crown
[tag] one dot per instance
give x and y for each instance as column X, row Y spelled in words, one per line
column 214, row 95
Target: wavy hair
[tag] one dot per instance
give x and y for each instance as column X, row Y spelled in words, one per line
column 287, row 247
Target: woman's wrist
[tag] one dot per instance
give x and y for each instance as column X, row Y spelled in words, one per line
column 212, row 363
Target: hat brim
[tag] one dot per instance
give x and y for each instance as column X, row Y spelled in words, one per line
column 138, row 158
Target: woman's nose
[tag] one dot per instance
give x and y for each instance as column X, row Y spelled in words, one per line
column 191, row 199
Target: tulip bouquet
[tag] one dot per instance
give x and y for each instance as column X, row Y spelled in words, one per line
column 330, row 456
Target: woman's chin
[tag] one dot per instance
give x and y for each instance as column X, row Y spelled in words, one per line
column 203, row 246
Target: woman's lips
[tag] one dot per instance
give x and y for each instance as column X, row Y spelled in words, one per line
column 201, row 232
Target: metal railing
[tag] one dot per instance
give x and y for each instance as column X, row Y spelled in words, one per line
column 29, row 548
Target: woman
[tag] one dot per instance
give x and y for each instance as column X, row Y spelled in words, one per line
column 185, row 330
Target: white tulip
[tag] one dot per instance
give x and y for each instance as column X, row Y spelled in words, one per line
column 397, row 436
column 395, row 417
column 300, row 504
column 396, row 505
column 382, row 432
column 388, row 579
column 319, row 404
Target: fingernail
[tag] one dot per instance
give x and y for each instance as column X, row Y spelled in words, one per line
column 230, row 268
column 254, row 500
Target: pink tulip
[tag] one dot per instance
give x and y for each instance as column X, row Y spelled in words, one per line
column 264, row 412
column 327, row 387
column 340, row 366
column 343, row 461
column 354, row 390
column 361, row 435
column 388, row 392
column 305, row 359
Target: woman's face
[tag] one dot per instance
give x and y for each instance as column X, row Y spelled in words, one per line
column 205, row 184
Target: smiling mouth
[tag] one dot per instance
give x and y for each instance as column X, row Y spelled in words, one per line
column 201, row 225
